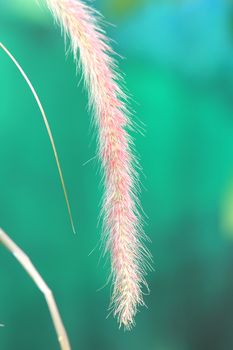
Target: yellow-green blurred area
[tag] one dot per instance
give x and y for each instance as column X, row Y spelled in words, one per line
column 178, row 66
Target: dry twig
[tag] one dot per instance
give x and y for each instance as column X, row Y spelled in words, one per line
column 27, row 265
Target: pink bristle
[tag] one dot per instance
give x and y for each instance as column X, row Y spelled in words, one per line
column 120, row 205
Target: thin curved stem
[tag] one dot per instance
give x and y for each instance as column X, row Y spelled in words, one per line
column 16, row 63
column 27, row 265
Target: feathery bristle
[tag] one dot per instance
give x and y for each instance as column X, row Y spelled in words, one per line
column 122, row 220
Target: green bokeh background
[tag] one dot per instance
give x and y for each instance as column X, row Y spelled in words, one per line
column 179, row 70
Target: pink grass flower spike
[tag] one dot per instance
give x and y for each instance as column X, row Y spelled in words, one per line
column 122, row 221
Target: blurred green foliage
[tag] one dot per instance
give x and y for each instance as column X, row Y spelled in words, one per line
column 179, row 71
column 119, row 7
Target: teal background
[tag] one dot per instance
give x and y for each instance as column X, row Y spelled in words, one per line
column 178, row 67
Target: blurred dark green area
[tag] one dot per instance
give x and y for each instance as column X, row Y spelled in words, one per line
column 179, row 69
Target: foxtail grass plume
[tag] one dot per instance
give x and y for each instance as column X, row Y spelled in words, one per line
column 122, row 221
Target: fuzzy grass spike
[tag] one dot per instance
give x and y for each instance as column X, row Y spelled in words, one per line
column 122, row 221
